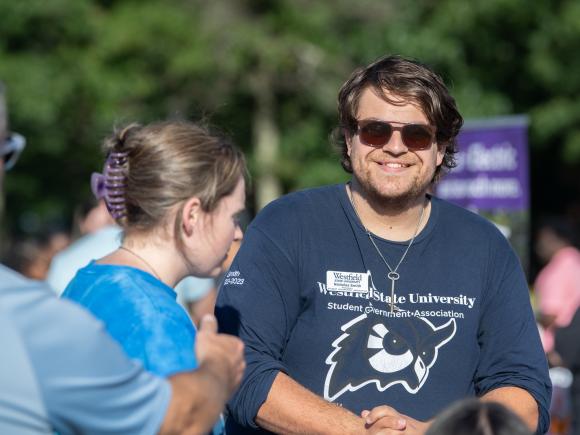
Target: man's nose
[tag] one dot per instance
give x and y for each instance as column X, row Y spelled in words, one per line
column 395, row 144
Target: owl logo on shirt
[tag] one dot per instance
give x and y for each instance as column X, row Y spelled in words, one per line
column 386, row 352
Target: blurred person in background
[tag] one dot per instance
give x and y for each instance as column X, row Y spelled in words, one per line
column 557, row 289
column 177, row 191
column 61, row 372
column 567, row 347
column 557, row 286
column 26, row 257
column 197, row 296
column 373, row 292
column 31, row 256
column 474, row 417
column 91, row 216
column 99, row 236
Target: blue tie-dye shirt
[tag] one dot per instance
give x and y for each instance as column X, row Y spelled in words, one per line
column 140, row 312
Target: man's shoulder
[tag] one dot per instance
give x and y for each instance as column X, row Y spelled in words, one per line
column 290, row 219
column 37, row 312
column 470, row 236
column 306, row 196
column 10, row 278
column 464, row 220
column 46, row 328
column 32, row 302
column 303, row 200
column 17, row 291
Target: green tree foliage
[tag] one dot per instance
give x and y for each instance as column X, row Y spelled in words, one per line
column 267, row 72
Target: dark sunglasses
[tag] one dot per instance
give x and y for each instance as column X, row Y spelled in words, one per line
column 378, row 133
column 11, row 148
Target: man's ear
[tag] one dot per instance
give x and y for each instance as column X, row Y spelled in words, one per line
column 348, row 140
column 191, row 215
column 440, row 153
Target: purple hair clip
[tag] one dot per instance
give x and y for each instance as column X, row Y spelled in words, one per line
column 110, row 185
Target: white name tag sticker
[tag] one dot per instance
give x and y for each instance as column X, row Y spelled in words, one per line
column 347, row 281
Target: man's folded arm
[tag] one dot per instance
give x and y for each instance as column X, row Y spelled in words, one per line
column 292, row 409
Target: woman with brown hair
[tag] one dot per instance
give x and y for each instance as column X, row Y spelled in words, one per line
column 177, row 191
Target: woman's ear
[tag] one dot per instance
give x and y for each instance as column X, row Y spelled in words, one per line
column 191, row 215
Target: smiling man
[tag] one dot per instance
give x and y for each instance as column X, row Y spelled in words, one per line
column 373, row 305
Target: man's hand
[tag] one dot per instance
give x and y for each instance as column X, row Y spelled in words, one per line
column 221, row 354
column 386, row 420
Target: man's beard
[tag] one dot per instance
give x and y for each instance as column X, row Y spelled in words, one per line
column 393, row 202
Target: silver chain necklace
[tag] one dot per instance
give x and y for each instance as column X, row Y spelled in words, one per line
column 393, row 275
column 142, row 259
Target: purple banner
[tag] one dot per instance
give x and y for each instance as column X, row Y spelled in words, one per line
column 492, row 171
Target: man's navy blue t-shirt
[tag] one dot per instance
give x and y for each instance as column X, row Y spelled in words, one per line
column 309, row 295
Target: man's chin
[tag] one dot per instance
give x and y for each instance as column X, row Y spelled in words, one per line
column 396, row 196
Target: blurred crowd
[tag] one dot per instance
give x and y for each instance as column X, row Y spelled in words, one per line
column 557, row 296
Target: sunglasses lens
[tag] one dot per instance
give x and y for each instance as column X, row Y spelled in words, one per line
column 9, row 160
column 10, row 150
column 8, row 157
column 375, row 133
column 417, row 136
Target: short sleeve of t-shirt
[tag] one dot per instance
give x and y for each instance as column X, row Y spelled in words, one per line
column 98, row 386
column 86, row 382
column 166, row 345
column 141, row 313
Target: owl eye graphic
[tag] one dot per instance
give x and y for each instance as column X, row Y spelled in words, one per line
column 384, row 353
column 393, row 353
